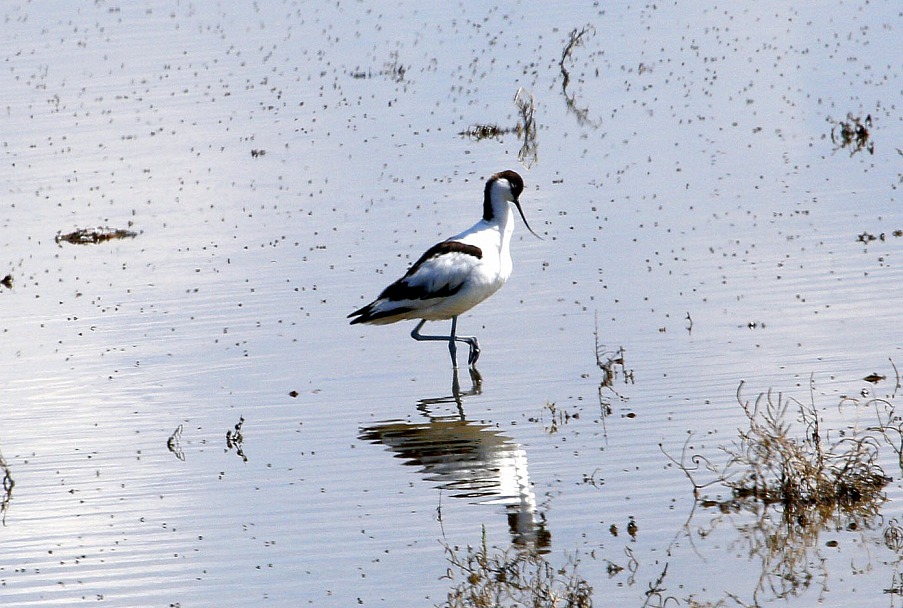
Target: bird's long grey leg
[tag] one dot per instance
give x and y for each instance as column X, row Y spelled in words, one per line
column 452, row 348
column 471, row 341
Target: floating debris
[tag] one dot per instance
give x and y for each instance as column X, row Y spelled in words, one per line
column 525, row 129
column 488, row 131
column 7, row 489
column 570, row 99
column 7, row 281
column 868, row 237
column 92, row 236
column 393, row 70
column 173, row 444
column 612, row 365
column 234, row 439
column 258, row 153
column 853, row 133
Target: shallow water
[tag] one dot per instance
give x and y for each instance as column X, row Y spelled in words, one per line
column 281, row 163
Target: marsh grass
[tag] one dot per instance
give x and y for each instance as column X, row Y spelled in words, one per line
column 810, row 476
column 495, row 578
column 795, row 479
column 785, row 458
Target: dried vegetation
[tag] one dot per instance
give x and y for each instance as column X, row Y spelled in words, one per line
column 492, row 578
column 797, row 479
column 92, row 236
column 853, row 134
column 811, row 476
column 6, row 494
column 525, row 129
column 575, row 40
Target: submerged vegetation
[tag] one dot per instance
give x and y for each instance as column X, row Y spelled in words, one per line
column 525, row 129
column 493, row 578
column 809, row 475
column 6, row 494
column 853, row 134
column 796, row 479
column 570, row 98
column 611, row 364
column 393, row 69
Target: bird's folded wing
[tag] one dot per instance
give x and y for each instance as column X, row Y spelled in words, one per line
column 439, row 273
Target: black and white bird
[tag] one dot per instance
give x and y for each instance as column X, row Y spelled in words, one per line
column 457, row 274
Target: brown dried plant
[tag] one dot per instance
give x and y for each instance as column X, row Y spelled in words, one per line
column 795, row 480
column 495, row 578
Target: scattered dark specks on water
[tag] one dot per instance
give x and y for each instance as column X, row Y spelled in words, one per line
column 293, row 394
column 258, row 153
column 874, row 378
column 868, row 237
column 7, row 281
column 392, row 69
column 91, row 236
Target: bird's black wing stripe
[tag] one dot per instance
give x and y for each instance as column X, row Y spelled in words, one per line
column 445, row 247
column 402, row 290
column 364, row 315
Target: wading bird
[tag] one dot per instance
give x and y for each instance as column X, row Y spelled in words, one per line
column 457, row 274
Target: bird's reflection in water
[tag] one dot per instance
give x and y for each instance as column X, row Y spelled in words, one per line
column 468, row 460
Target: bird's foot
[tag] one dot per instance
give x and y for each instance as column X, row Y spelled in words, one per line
column 474, row 353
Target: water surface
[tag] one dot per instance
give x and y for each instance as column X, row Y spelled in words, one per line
column 282, row 162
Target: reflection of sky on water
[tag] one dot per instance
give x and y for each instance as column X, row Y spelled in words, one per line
column 711, row 189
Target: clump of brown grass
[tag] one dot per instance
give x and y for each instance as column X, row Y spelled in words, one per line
column 783, row 462
column 512, row 578
column 810, row 477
